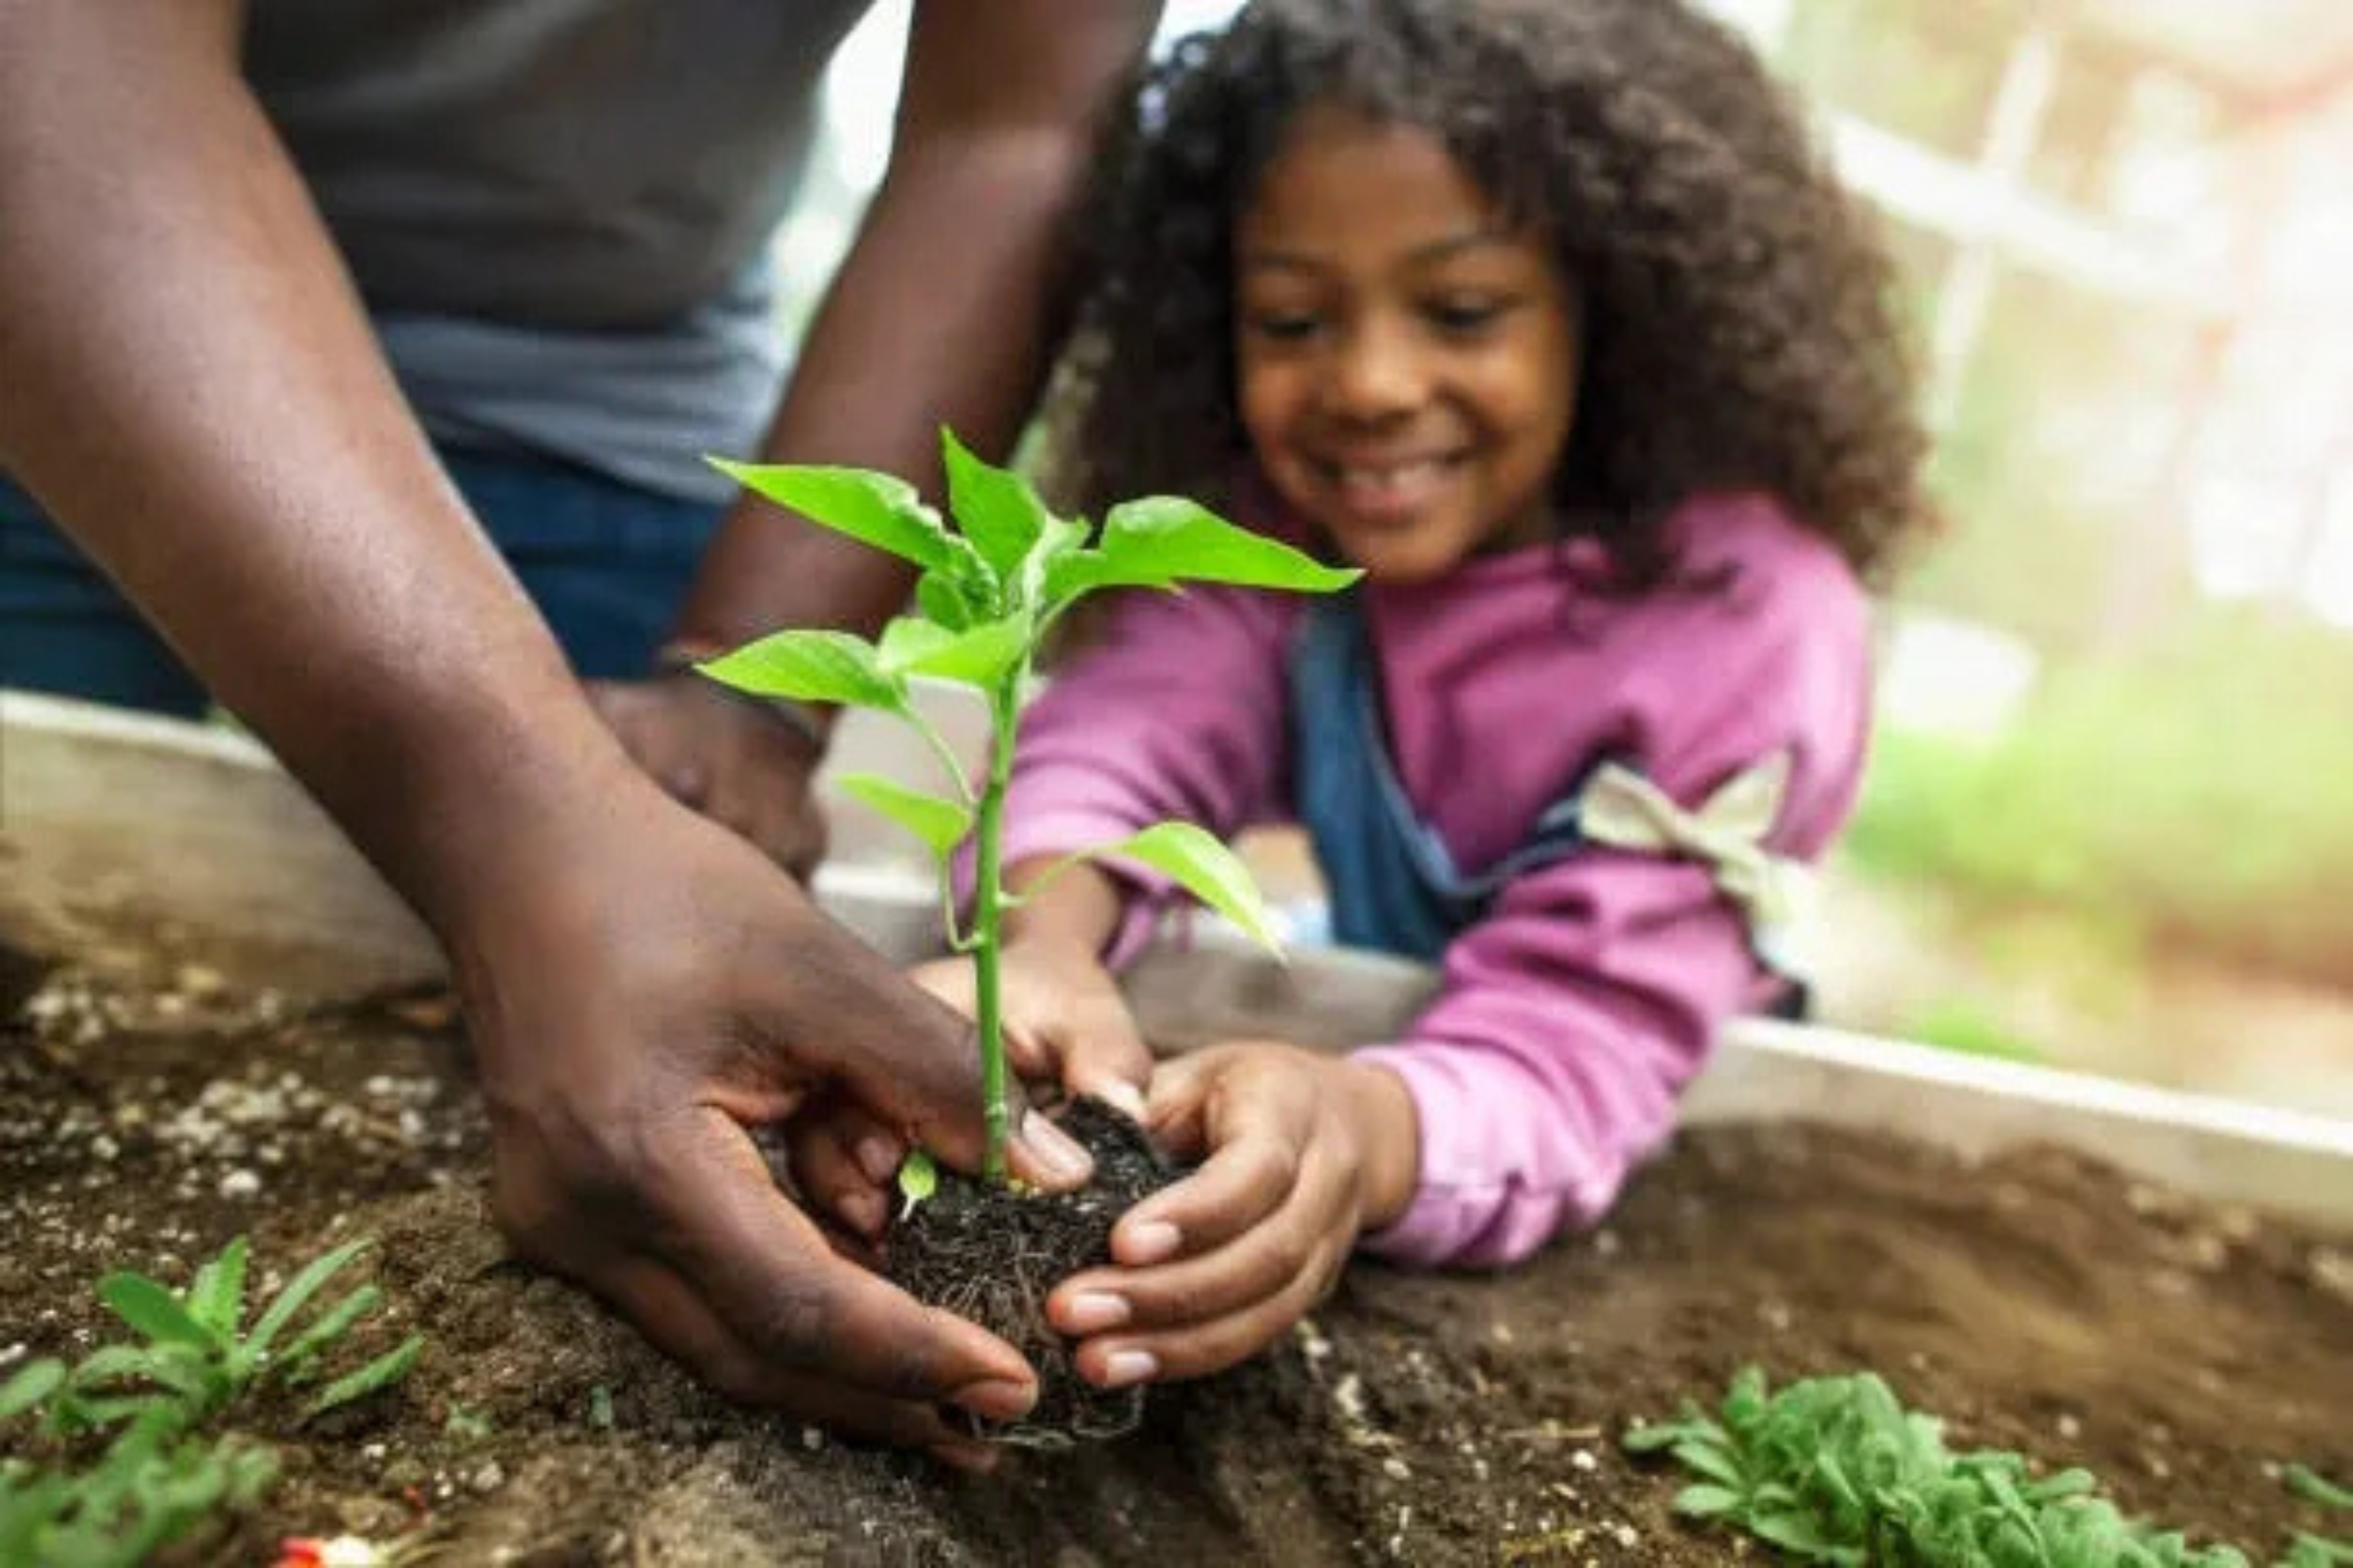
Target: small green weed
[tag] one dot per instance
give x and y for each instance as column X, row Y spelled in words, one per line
column 465, row 1425
column 2315, row 1550
column 1836, row 1470
column 108, row 1500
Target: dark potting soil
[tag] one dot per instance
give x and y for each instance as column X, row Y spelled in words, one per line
column 991, row 1254
column 2041, row 1302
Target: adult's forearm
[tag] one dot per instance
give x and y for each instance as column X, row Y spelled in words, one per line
column 944, row 311
column 939, row 316
column 188, row 385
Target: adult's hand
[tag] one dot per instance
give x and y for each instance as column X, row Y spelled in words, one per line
column 1067, row 1028
column 715, row 751
column 636, row 1007
column 642, row 982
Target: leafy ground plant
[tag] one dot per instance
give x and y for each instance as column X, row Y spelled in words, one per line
column 990, row 592
column 131, row 1466
column 1837, row 1470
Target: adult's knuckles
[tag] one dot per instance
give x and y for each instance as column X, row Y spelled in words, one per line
column 792, row 1322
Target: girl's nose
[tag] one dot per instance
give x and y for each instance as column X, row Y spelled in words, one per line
column 1376, row 372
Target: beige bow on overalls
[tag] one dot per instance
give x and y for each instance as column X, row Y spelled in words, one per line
column 1624, row 810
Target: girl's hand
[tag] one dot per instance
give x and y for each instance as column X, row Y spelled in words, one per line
column 1065, row 1024
column 1304, row 1151
column 1065, row 1021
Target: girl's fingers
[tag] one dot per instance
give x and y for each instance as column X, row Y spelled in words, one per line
column 1242, row 1185
column 1199, row 1348
column 1104, row 1054
column 1311, row 1230
column 950, row 980
column 1031, row 1059
column 1258, row 1128
column 1174, row 1101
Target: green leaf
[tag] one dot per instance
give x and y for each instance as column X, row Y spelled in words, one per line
column 33, row 1382
column 810, row 667
column 2077, row 1482
column 250, row 1472
column 940, row 823
column 152, row 1309
column 1711, row 1460
column 330, row 1326
column 1203, row 867
column 978, row 656
column 1793, row 1532
column 386, row 1370
column 994, row 507
column 298, row 1293
column 191, row 1370
column 1159, row 541
column 918, row 1180
column 1706, row 1502
column 216, row 1299
column 875, row 509
column 936, row 595
column 2310, row 1485
column 1649, row 1438
column 1062, row 539
column 1745, row 1401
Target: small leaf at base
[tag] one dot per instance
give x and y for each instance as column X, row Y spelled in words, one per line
column 918, row 1180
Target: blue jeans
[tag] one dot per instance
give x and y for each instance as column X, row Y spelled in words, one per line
column 607, row 563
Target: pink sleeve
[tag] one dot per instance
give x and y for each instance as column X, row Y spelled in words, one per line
column 1571, row 1018
column 1176, row 711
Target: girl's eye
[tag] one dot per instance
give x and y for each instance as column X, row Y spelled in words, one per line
column 1467, row 317
column 1284, row 326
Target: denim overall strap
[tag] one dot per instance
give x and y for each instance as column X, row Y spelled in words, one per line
column 1392, row 884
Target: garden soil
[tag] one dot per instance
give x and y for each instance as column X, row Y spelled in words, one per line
column 148, row 1113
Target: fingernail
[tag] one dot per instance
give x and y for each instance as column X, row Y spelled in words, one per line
column 863, row 1211
column 1124, row 1367
column 1055, row 1149
column 1123, row 1097
column 997, row 1399
column 1149, row 1241
column 1093, row 1311
column 879, row 1157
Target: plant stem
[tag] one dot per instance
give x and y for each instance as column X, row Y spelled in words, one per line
column 989, row 919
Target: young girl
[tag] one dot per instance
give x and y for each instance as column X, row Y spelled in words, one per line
column 1546, row 314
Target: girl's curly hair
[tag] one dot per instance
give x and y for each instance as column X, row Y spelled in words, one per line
column 1740, row 328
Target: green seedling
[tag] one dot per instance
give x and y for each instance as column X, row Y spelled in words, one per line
column 461, row 1425
column 197, row 1349
column 989, row 591
column 918, row 1180
column 159, row 1473
column 1836, row 1470
column 2315, row 1550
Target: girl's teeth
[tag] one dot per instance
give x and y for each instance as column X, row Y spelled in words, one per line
column 1381, row 483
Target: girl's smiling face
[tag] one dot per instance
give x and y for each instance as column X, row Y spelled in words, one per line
column 1406, row 359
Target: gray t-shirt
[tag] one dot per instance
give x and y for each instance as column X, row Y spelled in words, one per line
column 558, row 210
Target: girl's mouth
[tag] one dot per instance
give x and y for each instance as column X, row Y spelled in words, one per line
column 1388, row 491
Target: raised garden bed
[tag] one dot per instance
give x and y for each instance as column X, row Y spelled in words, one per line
column 160, row 1093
